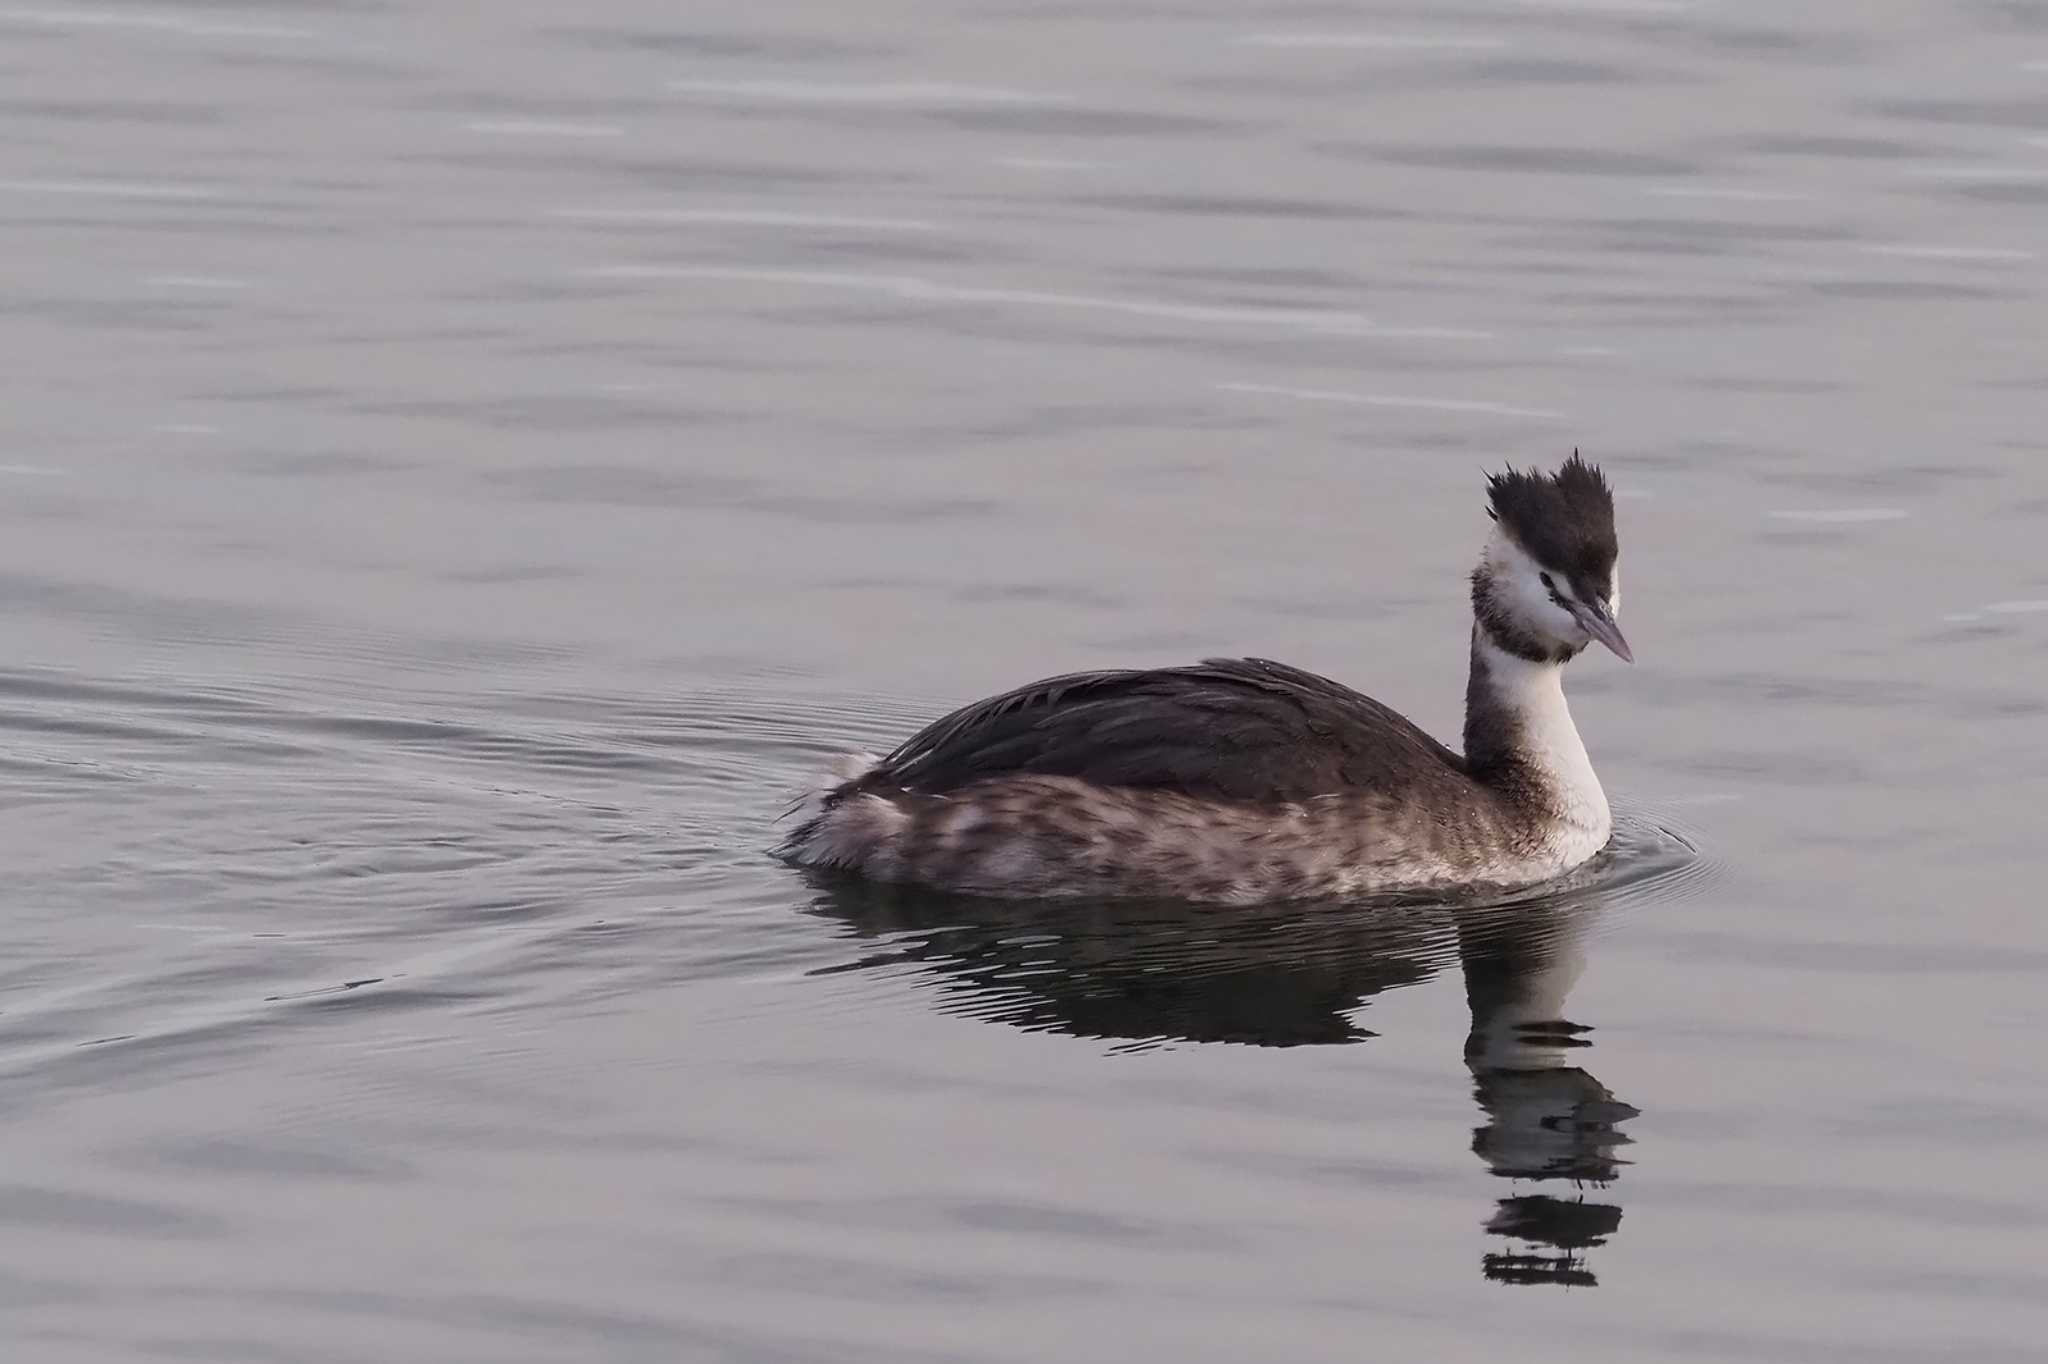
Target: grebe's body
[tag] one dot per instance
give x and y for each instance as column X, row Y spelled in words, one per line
column 1238, row 781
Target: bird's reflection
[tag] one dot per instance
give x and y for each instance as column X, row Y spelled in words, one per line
column 1546, row 1119
column 1146, row 975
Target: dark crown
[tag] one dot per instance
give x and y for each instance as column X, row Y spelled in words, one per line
column 1564, row 520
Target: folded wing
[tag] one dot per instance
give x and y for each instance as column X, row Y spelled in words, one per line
column 1225, row 729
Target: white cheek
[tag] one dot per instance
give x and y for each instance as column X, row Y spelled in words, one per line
column 1614, row 597
column 1526, row 596
column 1561, row 623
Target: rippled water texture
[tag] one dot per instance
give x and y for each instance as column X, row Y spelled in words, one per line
column 465, row 465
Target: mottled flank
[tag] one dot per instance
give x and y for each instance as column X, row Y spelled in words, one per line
column 1031, row 836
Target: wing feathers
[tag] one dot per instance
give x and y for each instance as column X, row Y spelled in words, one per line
column 1231, row 729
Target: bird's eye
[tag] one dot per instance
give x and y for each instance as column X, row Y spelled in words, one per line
column 1544, row 578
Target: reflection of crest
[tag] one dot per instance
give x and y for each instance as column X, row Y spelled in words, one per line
column 1568, row 1224
column 1146, row 975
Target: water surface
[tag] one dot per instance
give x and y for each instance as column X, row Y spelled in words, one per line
column 464, row 467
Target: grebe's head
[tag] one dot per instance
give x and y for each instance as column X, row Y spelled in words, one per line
column 1547, row 585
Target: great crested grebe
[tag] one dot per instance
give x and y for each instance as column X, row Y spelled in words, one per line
column 1243, row 780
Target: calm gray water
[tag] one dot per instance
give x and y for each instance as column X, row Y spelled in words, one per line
column 464, row 465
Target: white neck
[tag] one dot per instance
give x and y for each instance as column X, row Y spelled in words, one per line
column 1517, row 713
column 1535, row 994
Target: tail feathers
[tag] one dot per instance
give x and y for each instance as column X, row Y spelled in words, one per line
column 810, row 807
column 860, row 833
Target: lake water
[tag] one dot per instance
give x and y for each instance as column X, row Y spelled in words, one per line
column 465, row 465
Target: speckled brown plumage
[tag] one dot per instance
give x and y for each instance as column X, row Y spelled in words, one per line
column 1292, row 787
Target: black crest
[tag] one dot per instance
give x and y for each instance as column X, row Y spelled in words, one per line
column 1564, row 520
